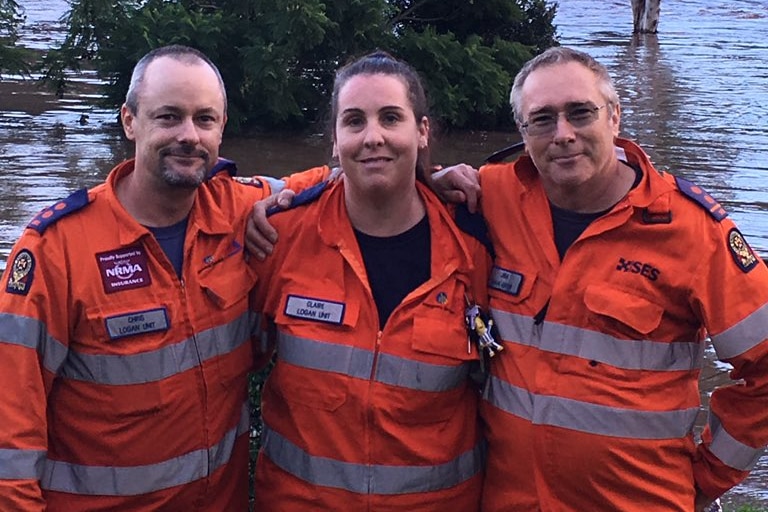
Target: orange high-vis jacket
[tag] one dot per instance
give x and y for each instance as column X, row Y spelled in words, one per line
column 123, row 386
column 358, row 418
column 592, row 405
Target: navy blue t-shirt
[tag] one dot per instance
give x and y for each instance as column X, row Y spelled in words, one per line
column 396, row 265
column 171, row 239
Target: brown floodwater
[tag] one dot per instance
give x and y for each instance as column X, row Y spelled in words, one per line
column 695, row 97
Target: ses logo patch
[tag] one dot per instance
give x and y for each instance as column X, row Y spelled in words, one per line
column 638, row 267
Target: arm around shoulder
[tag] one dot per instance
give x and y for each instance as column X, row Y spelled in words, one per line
column 299, row 181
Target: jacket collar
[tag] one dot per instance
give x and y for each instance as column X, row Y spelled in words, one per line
column 651, row 185
column 206, row 214
column 449, row 240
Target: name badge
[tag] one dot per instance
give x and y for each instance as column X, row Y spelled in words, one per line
column 319, row 310
column 137, row 322
column 506, row 281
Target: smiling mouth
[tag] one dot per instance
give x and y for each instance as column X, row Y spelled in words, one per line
column 183, row 154
column 566, row 157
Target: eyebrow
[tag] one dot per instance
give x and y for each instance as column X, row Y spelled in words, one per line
column 174, row 109
column 568, row 105
column 384, row 108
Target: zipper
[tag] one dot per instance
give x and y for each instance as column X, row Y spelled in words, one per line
column 376, row 349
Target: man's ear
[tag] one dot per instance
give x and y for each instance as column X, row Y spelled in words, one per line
column 616, row 118
column 127, row 119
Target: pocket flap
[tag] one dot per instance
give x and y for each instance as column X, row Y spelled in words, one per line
column 632, row 310
column 228, row 283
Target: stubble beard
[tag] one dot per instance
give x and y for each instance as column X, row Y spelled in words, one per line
column 176, row 179
column 183, row 179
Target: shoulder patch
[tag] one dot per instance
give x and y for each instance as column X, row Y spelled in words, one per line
column 474, row 225
column 223, row 165
column 701, row 196
column 51, row 214
column 21, row 274
column 741, row 252
column 306, row 196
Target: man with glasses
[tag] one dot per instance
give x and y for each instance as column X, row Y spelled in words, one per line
column 609, row 278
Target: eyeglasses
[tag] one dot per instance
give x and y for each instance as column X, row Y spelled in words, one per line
column 545, row 122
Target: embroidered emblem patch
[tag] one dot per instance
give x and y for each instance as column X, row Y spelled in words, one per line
column 506, row 281
column 741, row 251
column 123, row 269
column 308, row 308
column 21, row 274
column 137, row 322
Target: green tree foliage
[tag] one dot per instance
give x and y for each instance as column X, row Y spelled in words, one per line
column 278, row 57
column 13, row 59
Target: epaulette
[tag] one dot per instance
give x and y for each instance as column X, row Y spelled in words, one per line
column 306, row 196
column 701, row 196
column 223, row 164
column 474, row 225
column 60, row 209
column 503, row 154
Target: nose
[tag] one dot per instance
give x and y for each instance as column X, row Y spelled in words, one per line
column 564, row 130
column 188, row 133
column 374, row 135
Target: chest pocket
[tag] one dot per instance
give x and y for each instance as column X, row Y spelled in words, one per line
column 123, row 349
column 316, row 365
column 438, row 374
column 439, row 329
column 616, row 311
column 226, row 284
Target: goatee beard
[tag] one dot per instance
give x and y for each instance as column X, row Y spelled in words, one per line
column 182, row 180
column 190, row 181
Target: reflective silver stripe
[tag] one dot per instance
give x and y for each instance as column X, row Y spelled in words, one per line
column 134, row 480
column 730, row 451
column 317, row 355
column 592, row 345
column 743, row 336
column 513, row 328
column 509, row 398
column 613, row 421
column 590, row 418
column 407, row 373
column 22, row 330
column 370, row 478
column 358, row 363
column 622, row 353
column 32, row 333
column 162, row 363
column 21, row 464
